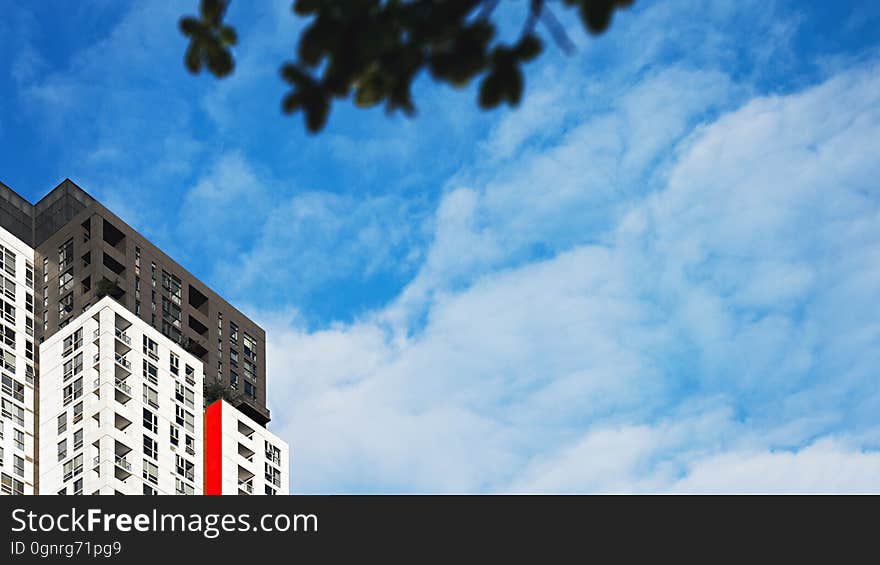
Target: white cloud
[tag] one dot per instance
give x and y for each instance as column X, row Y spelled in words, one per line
column 725, row 319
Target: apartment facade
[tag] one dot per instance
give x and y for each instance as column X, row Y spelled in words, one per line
column 108, row 345
column 17, row 367
column 120, row 408
column 242, row 457
column 84, row 252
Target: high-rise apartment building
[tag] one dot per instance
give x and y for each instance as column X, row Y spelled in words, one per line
column 241, row 456
column 120, row 408
column 108, row 345
column 17, row 367
column 84, row 252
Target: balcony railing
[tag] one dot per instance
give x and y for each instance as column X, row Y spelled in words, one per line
column 123, row 463
column 123, row 361
column 96, row 334
column 96, row 461
column 246, row 486
column 123, row 337
column 123, row 387
column 96, row 358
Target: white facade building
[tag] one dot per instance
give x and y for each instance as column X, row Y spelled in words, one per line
column 17, row 375
column 242, row 457
column 120, row 408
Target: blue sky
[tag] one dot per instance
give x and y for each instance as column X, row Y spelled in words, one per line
column 659, row 273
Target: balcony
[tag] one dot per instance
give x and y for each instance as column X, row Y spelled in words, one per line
column 96, row 334
column 246, row 452
column 125, row 363
column 123, row 337
column 123, row 391
column 96, row 358
column 122, row 469
column 246, row 486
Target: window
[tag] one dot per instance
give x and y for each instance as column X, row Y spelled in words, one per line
column 10, row 485
column 65, row 281
column 151, row 448
column 190, row 444
column 250, row 370
column 29, row 274
column 250, row 390
column 11, row 410
column 250, row 347
column 151, row 372
column 18, row 438
column 29, row 302
column 7, row 335
column 148, row 490
column 233, row 333
column 73, row 467
column 151, row 396
column 270, row 491
column 8, row 286
column 174, row 364
column 73, row 366
column 65, row 305
column 77, row 487
column 62, row 449
column 8, row 361
column 273, row 475
column 151, row 422
column 65, row 254
column 171, row 330
column 185, row 468
column 73, row 391
column 12, row 387
column 62, row 423
column 190, row 375
column 183, row 418
column 77, row 439
column 151, row 472
column 9, row 313
column 151, row 348
column 29, row 326
column 7, row 260
column 184, row 395
column 73, row 342
column 171, row 286
column 29, row 350
column 233, row 358
column 78, row 409
column 174, row 436
column 233, row 380
column 18, row 465
column 183, row 488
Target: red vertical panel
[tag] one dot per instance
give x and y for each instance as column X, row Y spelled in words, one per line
column 214, row 449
